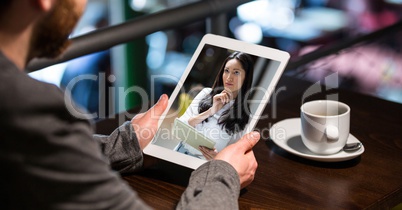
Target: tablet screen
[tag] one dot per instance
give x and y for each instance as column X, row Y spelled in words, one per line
column 219, row 98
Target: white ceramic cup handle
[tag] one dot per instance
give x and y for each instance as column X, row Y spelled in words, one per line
column 332, row 133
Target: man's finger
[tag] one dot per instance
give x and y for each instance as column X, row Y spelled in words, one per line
column 248, row 141
column 157, row 110
column 137, row 116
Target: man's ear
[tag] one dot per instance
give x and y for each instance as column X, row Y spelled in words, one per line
column 45, row 5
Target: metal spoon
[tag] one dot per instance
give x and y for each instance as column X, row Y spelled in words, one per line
column 350, row 147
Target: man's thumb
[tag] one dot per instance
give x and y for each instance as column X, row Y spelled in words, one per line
column 160, row 106
column 249, row 140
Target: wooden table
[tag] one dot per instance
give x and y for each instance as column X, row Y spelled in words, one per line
column 286, row 181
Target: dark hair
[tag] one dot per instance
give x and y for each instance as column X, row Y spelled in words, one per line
column 236, row 117
column 4, row 5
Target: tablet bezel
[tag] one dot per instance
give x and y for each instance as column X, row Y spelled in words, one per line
column 231, row 44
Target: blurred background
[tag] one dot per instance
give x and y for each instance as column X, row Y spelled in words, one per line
column 296, row 26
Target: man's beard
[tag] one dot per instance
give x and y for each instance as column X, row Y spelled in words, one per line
column 50, row 36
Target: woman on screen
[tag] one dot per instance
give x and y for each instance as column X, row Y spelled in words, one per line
column 221, row 113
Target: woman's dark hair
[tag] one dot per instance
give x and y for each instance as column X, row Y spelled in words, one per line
column 237, row 116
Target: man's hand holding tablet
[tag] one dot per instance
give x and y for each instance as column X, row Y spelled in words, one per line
column 241, row 156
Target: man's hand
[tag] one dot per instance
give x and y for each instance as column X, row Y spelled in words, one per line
column 241, row 157
column 146, row 124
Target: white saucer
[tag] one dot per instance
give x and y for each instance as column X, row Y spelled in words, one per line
column 286, row 134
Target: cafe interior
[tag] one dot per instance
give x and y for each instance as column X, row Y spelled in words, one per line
column 358, row 40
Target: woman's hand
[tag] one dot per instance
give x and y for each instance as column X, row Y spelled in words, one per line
column 220, row 100
column 208, row 153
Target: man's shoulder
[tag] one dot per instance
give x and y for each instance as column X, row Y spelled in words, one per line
column 18, row 89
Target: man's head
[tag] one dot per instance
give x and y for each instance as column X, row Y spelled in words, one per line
column 50, row 36
column 51, row 22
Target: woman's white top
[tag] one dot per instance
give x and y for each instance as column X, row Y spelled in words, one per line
column 210, row 129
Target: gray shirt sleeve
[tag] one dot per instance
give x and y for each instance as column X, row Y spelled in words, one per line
column 122, row 149
column 214, row 185
column 48, row 157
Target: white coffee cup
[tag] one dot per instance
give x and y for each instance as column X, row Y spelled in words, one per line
column 325, row 126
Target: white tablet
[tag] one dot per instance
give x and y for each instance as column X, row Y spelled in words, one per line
column 219, row 98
